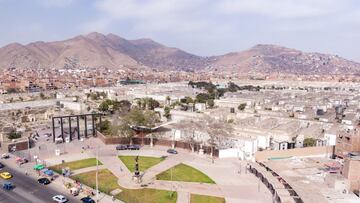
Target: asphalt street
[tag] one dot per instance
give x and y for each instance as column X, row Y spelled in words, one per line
column 28, row 190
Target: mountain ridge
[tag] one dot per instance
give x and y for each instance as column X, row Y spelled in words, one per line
column 114, row 52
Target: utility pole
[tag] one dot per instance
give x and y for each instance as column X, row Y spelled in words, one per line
column 172, row 184
column 97, row 171
column 29, row 148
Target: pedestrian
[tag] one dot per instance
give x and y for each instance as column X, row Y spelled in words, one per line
column 113, row 198
column 121, row 169
column 26, row 173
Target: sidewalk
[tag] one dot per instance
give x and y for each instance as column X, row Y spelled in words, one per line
column 88, row 169
column 151, row 173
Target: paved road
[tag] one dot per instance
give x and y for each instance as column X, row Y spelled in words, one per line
column 27, row 190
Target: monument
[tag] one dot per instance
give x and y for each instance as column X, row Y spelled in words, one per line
column 137, row 176
column 137, row 172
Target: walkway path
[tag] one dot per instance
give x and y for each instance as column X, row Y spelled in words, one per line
column 183, row 197
column 231, row 182
column 88, row 169
column 168, row 163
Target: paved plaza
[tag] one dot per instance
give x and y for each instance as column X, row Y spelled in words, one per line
column 232, row 181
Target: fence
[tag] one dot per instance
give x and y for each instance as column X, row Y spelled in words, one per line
column 156, row 141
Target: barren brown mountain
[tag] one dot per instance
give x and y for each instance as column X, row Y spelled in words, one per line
column 277, row 59
column 111, row 51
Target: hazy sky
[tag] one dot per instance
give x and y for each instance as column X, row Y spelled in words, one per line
column 203, row 27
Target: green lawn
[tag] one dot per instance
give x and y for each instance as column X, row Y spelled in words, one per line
column 182, row 172
column 145, row 162
column 205, row 199
column 108, row 183
column 74, row 165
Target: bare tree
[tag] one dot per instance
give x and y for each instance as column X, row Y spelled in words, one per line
column 190, row 127
column 218, row 131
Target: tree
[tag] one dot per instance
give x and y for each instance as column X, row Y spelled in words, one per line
column 190, row 127
column 123, row 106
column 11, row 90
column 242, row 106
column 210, row 103
column 150, row 103
column 104, row 106
column 167, row 112
column 187, row 100
column 125, row 130
column 140, row 117
column 309, row 142
column 105, row 127
column 232, row 87
column 168, row 100
column 137, row 117
column 218, row 131
column 13, row 135
column 202, row 98
column 147, row 103
column 42, row 96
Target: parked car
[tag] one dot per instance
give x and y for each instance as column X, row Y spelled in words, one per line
column 59, row 199
column 5, row 175
column 172, row 151
column 75, row 191
column 87, row 200
column 5, row 156
column 47, row 134
column 2, row 166
column 133, row 147
column 121, row 147
column 22, row 161
column 8, row 186
column 44, row 181
column 58, row 140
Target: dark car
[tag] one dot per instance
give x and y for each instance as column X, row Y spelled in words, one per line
column 133, row 147
column 2, row 166
column 44, row 181
column 121, row 147
column 172, row 151
column 87, row 200
column 23, row 161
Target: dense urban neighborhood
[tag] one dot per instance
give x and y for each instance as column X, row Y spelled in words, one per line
column 246, row 140
column 179, row 101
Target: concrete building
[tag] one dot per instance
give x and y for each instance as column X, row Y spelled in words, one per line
column 347, row 141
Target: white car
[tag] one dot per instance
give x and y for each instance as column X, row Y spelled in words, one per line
column 59, row 199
